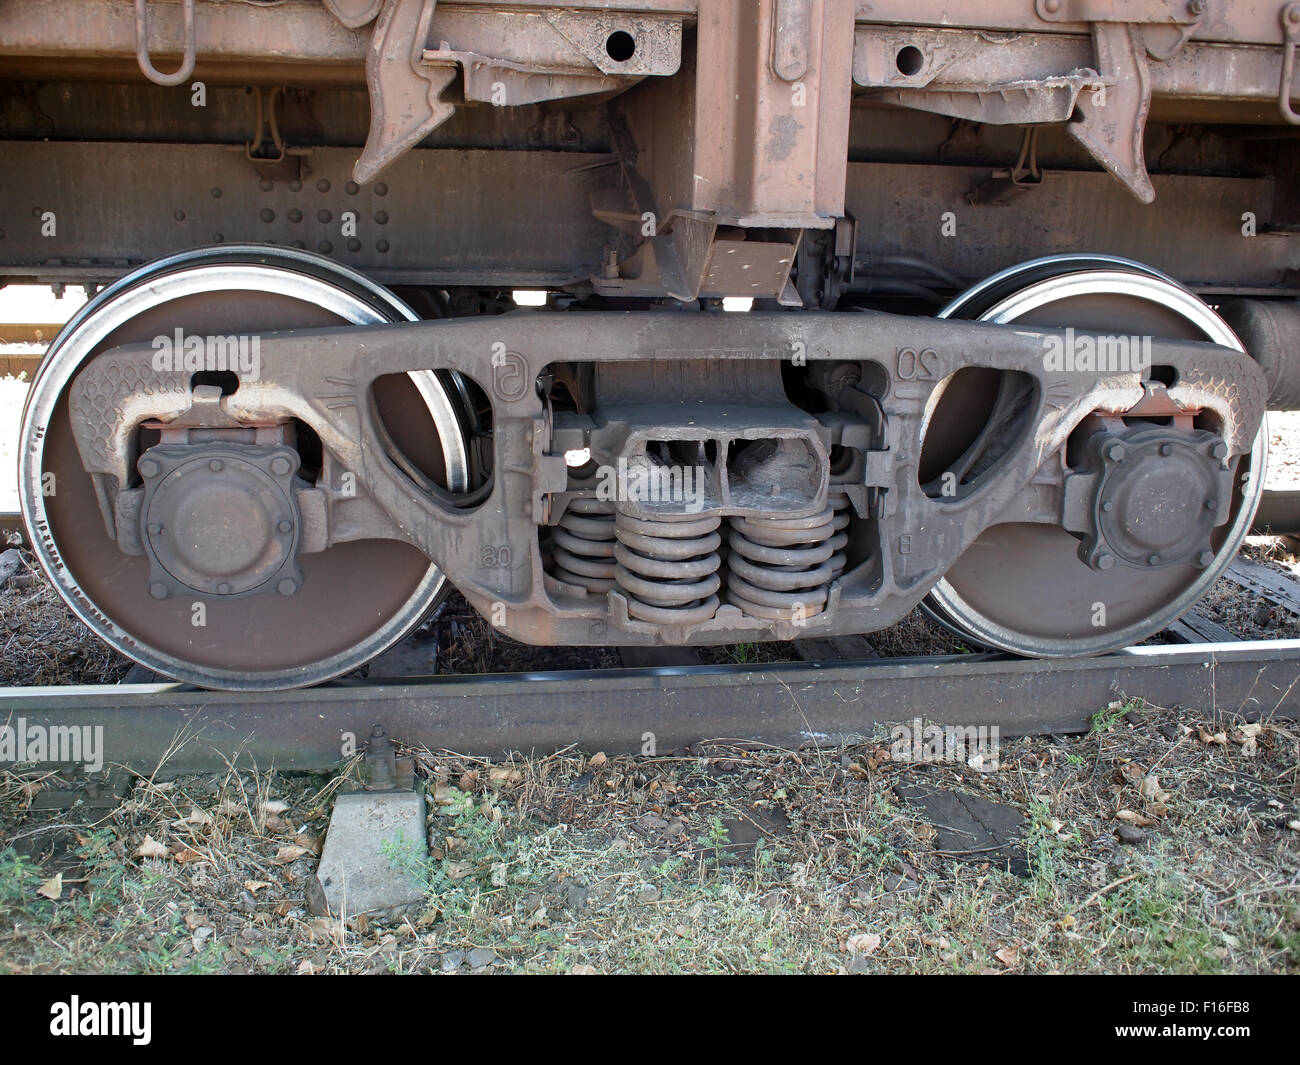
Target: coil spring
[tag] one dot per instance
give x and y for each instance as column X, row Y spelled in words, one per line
column 669, row 567
column 584, row 545
column 782, row 568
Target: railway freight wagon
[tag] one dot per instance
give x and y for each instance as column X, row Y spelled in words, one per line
column 839, row 309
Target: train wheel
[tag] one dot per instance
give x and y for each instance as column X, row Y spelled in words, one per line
column 1022, row 587
column 356, row 598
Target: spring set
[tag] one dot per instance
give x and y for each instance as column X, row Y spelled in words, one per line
column 782, row 568
column 584, row 545
column 668, row 567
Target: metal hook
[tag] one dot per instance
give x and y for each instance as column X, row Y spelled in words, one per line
column 1291, row 34
column 142, row 45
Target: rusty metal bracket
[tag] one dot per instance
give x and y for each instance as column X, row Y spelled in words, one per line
column 1111, row 121
column 1003, row 185
column 147, row 68
column 354, row 13
column 404, row 91
column 1291, row 35
column 1161, row 11
column 286, row 163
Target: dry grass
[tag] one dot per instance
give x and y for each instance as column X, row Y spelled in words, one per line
column 728, row 859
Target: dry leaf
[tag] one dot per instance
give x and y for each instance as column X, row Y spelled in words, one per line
column 597, row 760
column 1133, row 817
column 256, row 885
column 290, row 852
column 584, row 970
column 1220, row 738
column 1009, row 956
column 865, row 943
column 52, row 888
column 189, row 854
column 150, row 848
column 275, row 806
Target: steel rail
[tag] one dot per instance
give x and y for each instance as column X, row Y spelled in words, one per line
column 654, row 710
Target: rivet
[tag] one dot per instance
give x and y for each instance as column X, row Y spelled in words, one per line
column 381, row 189
column 179, row 215
column 325, row 247
column 216, row 192
column 381, row 246
column 295, row 215
column 268, row 215
column 381, row 218
column 354, row 244
column 1166, row 449
column 323, row 185
column 266, row 184
column 323, row 215
column 351, row 188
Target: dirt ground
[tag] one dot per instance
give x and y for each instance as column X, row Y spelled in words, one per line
column 1159, row 842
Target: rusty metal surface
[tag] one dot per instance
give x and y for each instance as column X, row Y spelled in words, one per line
column 791, row 705
column 916, row 542
column 1070, row 210
column 424, row 222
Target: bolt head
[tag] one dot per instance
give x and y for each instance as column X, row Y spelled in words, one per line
column 1204, row 558
column 286, row 587
column 216, row 465
column 223, row 589
column 1115, row 452
column 155, row 529
column 1211, row 504
column 1051, row 6
column 284, row 526
column 158, row 590
column 1105, row 560
column 1107, row 506
column 280, row 466
column 1166, row 449
column 1219, row 450
column 148, row 468
column 1153, row 560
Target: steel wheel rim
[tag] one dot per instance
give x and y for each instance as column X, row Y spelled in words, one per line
column 279, row 272
column 1078, row 276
